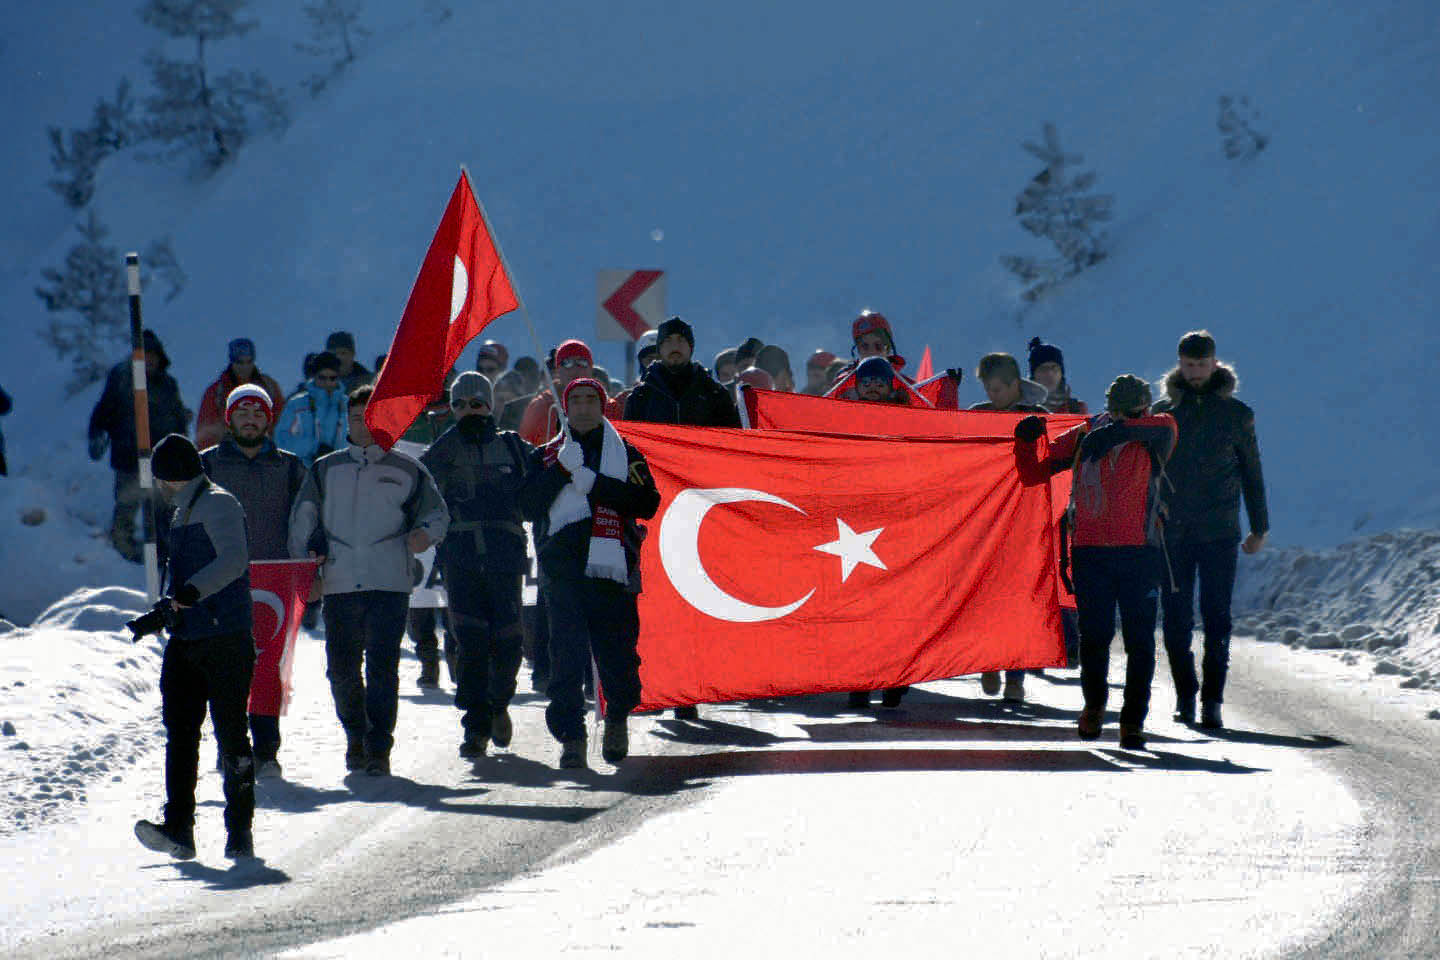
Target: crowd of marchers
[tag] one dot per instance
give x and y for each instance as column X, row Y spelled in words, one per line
column 1157, row 490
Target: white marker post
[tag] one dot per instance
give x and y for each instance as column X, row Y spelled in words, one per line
column 142, row 427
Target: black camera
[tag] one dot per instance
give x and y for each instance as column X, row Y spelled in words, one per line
column 160, row 617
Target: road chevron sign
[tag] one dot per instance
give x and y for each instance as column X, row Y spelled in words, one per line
column 630, row 302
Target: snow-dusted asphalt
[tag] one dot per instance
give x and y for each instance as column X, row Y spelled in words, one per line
column 956, row 824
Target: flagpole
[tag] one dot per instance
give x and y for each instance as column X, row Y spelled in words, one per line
column 520, row 300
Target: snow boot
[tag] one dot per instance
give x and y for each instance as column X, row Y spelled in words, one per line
column 990, row 682
column 1132, row 736
column 1090, row 722
column 473, row 746
column 167, row 838
column 378, row 764
column 615, row 746
column 1185, row 709
column 355, row 754
column 572, row 754
column 501, row 729
column 239, row 844
column 1210, row 715
column 1015, row 689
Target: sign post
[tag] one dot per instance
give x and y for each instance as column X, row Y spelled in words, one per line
column 630, row 303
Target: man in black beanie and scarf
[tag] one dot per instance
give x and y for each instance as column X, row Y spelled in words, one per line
column 211, row 654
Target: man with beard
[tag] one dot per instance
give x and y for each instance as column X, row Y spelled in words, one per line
column 1216, row 461
column 678, row 390
column 479, row 471
column 266, row 481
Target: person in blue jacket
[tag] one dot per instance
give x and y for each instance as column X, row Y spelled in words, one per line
column 312, row 423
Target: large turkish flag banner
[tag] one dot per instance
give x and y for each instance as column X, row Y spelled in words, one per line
column 787, row 563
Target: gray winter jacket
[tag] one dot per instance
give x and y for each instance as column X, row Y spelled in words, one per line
column 207, row 552
column 367, row 502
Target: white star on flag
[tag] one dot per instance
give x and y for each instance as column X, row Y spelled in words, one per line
column 853, row 549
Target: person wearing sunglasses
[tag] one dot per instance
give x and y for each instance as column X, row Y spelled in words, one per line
column 479, row 470
column 312, row 423
column 572, row 360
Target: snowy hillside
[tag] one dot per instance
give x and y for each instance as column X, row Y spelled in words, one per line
column 788, row 164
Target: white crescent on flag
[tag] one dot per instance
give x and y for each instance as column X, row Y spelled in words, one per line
column 273, row 601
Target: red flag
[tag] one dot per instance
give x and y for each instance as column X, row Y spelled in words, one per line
column 461, row 287
column 786, row 563
column 278, row 590
column 927, row 366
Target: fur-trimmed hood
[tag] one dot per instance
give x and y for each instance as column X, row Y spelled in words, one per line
column 1223, row 382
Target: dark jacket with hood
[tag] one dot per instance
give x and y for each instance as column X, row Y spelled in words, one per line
column 1216, row 460
column 692, row 398
column 208, row 558
column 114, row 413
column 479, row 471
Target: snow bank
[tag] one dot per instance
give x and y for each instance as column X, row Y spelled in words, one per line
column 78, row 703
column 1377, row 597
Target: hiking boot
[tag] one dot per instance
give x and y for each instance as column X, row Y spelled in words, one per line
column 378, row 764
column 167, row 838
column 990, row 682
column 891, row 698
column 355, row 755
column 615, row 746
column 572, row 754
column 473, row 746
column 1185, row 709
column 1210, row 715
column 691, row 712
column 1015, row 689
column 1132, row 736
column 239, row 843
column 859, row 700
column 268, row 770
column 501, row 729
column 429, row 675
column 1090, row 722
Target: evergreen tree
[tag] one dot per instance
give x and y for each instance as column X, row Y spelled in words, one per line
column 335, row 29
column 1239, row 138
column 193, row 110
column 76, row 156
column 91, row 301
column 1056, row 206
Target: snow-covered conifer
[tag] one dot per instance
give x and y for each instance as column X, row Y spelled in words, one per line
column 76, row 155
column 335, row 29
column 90, row 301
column 1059, row 208
column 1238, row 135
column 192, row 110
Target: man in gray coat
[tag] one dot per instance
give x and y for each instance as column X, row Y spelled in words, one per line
column 375, row 508
column 210, row 656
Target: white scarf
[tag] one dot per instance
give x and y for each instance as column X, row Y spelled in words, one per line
column 606, row 558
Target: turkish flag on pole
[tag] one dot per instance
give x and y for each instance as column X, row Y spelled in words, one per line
column 787, row 563
column 461, row 287
column 278, row 589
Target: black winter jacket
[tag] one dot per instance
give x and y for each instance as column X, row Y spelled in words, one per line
column 266, row 486
column 480, row 471
column 207, row 552
column 1216, row 460
column 563, row 553
column 692, row 398
column 114, row 413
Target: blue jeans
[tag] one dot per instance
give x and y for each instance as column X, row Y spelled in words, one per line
column 1214, row 563
column 1107, row 577
column 365, row 629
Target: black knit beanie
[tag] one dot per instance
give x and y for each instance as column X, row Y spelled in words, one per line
column 175, row 459
column 672, row 326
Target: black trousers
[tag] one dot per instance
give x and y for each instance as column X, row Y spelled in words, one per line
column 485, row 615
column 195, row 674
column 590, row 617
column 363, row 631
column 1106, row 578
column 1213, row 564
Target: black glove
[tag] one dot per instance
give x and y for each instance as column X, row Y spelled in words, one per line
column 956, row 374
column 98, row 443
column 1030, row 429
column 188, row 595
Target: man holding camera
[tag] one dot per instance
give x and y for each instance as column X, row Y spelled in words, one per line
column 210, row 656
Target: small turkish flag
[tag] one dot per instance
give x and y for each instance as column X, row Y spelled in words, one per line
column 461, row 287
column 278, row 589
column 788, row 563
